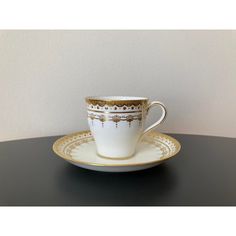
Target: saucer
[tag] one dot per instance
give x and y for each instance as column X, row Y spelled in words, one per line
column 79, row 149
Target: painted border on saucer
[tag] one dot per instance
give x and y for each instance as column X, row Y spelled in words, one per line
column 87, row 134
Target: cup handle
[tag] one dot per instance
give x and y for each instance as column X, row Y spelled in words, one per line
column 162, row 118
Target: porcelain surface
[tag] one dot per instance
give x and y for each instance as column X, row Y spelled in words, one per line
column 117, row 123
column 80, row 150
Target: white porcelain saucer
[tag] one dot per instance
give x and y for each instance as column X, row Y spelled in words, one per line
column 80, row 150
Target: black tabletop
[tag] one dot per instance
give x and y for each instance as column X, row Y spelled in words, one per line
column 203, row 173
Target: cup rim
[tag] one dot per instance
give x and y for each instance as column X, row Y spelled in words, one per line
column 115, row 98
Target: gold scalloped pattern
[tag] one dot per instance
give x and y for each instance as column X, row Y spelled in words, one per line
column 64, row 146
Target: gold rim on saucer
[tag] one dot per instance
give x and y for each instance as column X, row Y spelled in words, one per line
column 65, row 145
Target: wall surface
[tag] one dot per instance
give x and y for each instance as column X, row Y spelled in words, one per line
column 45, row 75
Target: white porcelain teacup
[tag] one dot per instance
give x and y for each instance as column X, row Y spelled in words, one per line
column 117, row 123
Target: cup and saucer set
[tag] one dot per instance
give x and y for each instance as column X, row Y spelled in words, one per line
column 117, row 140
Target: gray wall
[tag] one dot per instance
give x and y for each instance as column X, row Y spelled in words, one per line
column 45, row 75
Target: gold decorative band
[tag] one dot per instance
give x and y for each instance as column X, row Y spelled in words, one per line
column 113, row 112
column 119, row 103
column 115, row 118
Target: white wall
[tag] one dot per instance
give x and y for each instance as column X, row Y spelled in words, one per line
column 45, row 75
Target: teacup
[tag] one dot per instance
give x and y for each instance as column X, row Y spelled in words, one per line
column 117, row 123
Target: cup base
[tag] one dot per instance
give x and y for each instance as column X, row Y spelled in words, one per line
column 115, row 158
